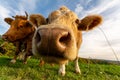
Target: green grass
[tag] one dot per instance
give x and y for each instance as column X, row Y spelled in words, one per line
column 31, row 71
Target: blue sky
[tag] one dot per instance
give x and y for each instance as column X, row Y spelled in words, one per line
column 94, row 43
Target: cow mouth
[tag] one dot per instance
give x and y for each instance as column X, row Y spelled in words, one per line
column 8, row 38
column 5, row 38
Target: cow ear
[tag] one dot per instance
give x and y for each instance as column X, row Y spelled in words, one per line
column 8, row 20
column 89, row 22
column 37, row 19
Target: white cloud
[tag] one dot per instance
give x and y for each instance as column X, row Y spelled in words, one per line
column 78, row 9
column 93, row 41
column 103, row 6
column 25, row 5
column 4, row 12
column 97, row 9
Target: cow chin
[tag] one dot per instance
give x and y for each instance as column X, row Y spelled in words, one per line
column 54, row 42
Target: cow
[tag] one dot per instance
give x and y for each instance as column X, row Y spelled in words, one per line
column 59, row 41
column 21, row 32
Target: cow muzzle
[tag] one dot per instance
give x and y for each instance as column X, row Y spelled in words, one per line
column 52, row 41
column 9, row 38
column 5, row 37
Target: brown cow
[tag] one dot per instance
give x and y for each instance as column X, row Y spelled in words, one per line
column 21, row 32
column 60, row 40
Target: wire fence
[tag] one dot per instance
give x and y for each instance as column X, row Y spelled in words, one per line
column 108, row 42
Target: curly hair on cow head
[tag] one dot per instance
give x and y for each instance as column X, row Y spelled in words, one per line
column 64, row 9
column 57, row 13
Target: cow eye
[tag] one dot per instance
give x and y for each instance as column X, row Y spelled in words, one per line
column 20, row 26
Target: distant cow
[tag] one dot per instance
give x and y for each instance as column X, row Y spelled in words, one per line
column 21, row 32
column 60, row 40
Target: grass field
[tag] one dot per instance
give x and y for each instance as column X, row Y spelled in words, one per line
column 31, row 71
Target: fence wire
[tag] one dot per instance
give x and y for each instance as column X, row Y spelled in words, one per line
column 110, row 45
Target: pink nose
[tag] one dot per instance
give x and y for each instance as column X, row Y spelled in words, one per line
column 52, row 41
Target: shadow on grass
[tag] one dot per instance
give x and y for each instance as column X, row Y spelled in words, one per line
column 5, row 61
column 31, row 63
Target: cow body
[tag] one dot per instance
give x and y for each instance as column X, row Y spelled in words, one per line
column 60, row 40
column 20, row 33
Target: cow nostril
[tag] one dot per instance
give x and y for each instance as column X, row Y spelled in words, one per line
column 38, row 37
column 65, row 38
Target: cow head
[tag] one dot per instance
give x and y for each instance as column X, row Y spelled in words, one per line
column 20, row 27
column 62, row 37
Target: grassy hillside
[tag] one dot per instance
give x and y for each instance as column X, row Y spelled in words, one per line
column 31, row 71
